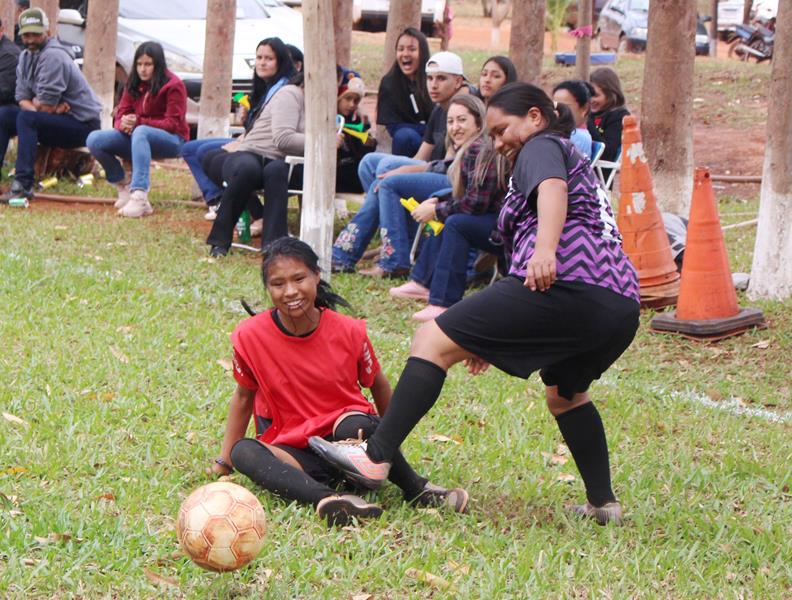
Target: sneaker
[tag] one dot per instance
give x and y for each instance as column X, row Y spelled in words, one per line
column 218, row 252
column 138, row 205
column 350, row 457
column 434, row 496
column 411, row 290
column 211, row 211
column 429, row 313
column 340, row 510
column 17, row 191
column 123, row 194
column 607, row 513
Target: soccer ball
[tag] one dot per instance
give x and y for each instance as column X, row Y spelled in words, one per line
column 221, row 526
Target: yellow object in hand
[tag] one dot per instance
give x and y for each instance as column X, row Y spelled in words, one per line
column 361, row 135
column 411, row 204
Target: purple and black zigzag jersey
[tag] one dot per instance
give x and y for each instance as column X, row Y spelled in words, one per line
column 590, row 248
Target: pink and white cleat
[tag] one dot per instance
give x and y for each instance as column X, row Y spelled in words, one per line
column 349, row 457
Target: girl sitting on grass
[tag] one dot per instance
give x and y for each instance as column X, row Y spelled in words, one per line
column 299, row 368
column 568, row 308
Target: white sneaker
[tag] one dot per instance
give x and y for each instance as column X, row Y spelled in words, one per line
column 138, row 205
column 211, row 212
column 123, row 194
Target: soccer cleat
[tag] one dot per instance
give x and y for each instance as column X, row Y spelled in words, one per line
column 218, row 252
column 350, row 458
column 339, row 510
column 607, row 513
column 434, row 496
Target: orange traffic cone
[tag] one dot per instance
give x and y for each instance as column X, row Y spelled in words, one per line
column 707, row 306
column 641, row 224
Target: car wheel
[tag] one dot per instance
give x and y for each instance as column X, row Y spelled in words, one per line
column 624, row 46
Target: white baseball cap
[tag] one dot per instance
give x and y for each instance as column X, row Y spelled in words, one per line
column 445, row 62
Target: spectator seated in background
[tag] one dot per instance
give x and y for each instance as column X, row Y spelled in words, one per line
column 9, row 57
column 21, row 6
column 607, row 111
column 256, row 161
column 57, row 107
column 470, row 212
column 353, row 148
column 576, row 95
column 150, row 122
column 496, row 72
column 272, row 70
column 402, row 177
column 403, row 103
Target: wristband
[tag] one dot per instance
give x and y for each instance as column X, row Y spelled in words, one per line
column 223, row 463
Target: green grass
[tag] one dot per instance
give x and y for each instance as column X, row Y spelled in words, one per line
column 112, row 330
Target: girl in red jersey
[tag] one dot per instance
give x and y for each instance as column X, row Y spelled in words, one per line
column 300, row 367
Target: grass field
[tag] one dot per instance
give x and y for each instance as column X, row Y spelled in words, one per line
column 112, row 331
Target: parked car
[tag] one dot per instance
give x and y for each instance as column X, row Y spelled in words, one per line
column 623, row 26
column 372, row 15
column 730, row 13
column 179, row 25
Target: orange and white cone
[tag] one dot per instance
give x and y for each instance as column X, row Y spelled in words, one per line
column 707, row 306
column 641, row 224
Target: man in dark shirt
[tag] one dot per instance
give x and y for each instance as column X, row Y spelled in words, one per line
column 21, row 6
column 445, row 78
column 9, row 55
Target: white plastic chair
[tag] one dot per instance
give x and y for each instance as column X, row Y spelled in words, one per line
column 600, row 165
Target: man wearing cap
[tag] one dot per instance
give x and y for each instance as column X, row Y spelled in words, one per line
column 56, row 105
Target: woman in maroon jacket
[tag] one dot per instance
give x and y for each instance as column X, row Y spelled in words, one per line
column 150, row 122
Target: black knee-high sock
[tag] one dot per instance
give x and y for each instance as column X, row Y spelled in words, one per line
column 585, row 437
column 417, row 391
column 257, row 462
column 401, row 473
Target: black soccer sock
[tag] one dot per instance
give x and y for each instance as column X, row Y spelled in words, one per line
column 419, row 386
column 401, row 473
column 585, row 437
column 266, row 470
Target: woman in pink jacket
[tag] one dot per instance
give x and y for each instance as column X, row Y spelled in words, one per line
column 150, row 122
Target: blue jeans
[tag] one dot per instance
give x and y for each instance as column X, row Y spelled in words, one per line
column 442, row 263
column 407, row 138
column 353, row 240
column 33, row 128
column 144, row 144
column 193, row 154
column 397, row 227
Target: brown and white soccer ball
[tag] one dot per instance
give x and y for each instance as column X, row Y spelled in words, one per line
column 221, row 526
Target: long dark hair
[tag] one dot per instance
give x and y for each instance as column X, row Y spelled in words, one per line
column 518, row 98
column 299, row 250
column 505, row 64
column 608, row 81
column 286, row 68
column 160, row 76
column 395, row 72
column 580, row 91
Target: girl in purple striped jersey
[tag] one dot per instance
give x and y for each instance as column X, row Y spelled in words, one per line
column 568, row 307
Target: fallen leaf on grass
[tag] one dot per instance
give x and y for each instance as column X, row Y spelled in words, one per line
column 362, row 597
column 124, row 329
column 562, row 450
column 14, row 471
column 29, row 562
column 429, row 578
column 438, row 437
column 761, row 345
column 555, row 459
column 160, row 579
column 455, row 566
column 565, row 477
column 14, row 419
column 119, row 355
column 225, row 363
column 109, row 496
column 61, row 227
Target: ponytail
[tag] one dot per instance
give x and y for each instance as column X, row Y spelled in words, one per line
column 518, row 98
column 299, row 250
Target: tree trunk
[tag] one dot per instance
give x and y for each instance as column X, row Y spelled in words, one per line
column 99, row 66
column 316, row 227
column 713, row 44
column 8, row 17
column 51, row 8
column 499, row 10
column 771, row 272
column 213, row 115
column 583, row 44
column 526, row 47
column 402, row 13
column 667, row 109
column 747, row 11
column 342, row 24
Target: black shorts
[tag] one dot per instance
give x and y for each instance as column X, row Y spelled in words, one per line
column 571, row 333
